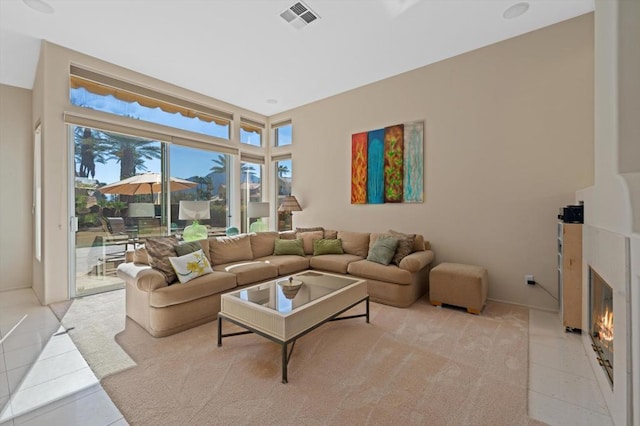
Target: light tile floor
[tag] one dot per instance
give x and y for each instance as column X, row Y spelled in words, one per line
column 562, row 386
column 45, row 381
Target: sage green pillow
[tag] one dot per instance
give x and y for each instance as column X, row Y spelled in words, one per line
column 324, row 246
column 291, row 247
column 383, row 250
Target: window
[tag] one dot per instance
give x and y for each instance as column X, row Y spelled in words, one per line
column 250, row 189
column 283, row 188
column 210, row 171
column 282, row 133
column 102, row 93
column 251, row 132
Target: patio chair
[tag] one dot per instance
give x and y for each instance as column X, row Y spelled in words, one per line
column 114, row 243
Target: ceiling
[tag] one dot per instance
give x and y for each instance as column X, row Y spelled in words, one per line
column 244, row 53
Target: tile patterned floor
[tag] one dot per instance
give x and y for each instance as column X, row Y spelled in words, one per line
column 562, row 386
column 45, row 381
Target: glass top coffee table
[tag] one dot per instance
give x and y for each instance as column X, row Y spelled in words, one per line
column 273, row 311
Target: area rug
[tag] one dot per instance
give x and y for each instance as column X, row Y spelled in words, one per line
column 417, row 366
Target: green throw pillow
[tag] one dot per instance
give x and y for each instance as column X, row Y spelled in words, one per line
column 383, row 250
column 323, row 246
column 187, row 248
column 283, row 247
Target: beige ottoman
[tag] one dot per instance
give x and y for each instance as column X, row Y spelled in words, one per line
column 459, row 285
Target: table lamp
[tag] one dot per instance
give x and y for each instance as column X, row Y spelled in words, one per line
column 258, row 210
column 194, row 210
column 289, row 205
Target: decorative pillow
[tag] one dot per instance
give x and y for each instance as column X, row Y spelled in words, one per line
column 405, row 245
column 316, row 228
column 327, row 246
column 383, row 250
column 191, row 265
column 283, row 247
column 307, row 239
column 186, row 248
column 140, row 256
column 159, row 251
column 330, row 234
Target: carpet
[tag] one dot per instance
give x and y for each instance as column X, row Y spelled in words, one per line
column 416, row 366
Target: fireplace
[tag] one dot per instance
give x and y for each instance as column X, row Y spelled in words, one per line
column 601, row 321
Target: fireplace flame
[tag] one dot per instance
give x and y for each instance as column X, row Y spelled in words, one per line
column 606, row 326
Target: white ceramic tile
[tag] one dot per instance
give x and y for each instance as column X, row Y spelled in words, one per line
column 569, row 361
column 567, row 387
column 6, row 414
column 24, row 296
column 3, row 366
column 93, row 409
column 54, row 405
column 4, row 385
column 556, row 412
column 15, row 377
column 25, row 400
column 52, row 368
column 120, row 422
column 19, row 340
column 21, row 357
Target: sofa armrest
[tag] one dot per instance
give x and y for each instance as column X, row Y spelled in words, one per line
column 143, row 276
column 416, row 260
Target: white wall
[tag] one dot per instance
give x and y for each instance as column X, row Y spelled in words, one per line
column 508, row 140
column 16, row 177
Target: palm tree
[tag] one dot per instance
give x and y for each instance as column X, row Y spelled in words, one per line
column 90, row 148
column 131, row 152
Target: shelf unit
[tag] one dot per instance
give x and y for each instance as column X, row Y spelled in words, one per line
column 570, row 274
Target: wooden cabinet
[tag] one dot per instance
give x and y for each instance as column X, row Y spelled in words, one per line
column 570, row 274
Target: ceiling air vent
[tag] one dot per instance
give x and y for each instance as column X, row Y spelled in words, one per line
column 299, row 15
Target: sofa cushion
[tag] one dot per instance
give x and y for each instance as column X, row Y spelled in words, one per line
column 375, row 271
column 159, row 250
column 324, row 246
column 185, row 248
column 287, row 235
column 355, row 243
column 203, row 286
column 224, row 250
column 383, row 250
column 249, row 272
column 288, row 247
column 287, row 264
column 191, row 265
column 308, row 238
column 262, row 243
column 333, row 262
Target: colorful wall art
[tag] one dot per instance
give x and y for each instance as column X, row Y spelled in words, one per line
column 387, row 165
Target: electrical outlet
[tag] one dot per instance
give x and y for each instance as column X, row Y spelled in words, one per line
column 528, row 279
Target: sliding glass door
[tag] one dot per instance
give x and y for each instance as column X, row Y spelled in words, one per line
column 127, row 189
column 117, row 197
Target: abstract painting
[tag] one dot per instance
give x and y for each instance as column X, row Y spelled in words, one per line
column 387, row 165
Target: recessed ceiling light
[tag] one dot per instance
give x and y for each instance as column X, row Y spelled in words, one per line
column 272, row 101
column 516, row 10
column 40, row 6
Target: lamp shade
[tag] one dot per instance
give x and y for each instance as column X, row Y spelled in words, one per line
column 258, row 210
column 289, row 204
column 194, row 210
column 141, row 210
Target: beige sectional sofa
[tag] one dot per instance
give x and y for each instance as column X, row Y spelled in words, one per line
column 165, row 308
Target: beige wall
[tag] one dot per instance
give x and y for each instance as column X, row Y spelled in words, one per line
column 508, row 140
column 16, row 177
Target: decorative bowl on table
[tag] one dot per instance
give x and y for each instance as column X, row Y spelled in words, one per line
column 290, row 287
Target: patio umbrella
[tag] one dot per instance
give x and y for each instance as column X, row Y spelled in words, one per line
column 145, row 183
